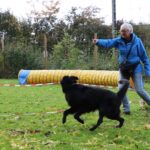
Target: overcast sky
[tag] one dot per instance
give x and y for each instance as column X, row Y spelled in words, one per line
column 135, row 10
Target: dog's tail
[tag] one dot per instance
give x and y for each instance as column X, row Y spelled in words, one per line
column 121, row 93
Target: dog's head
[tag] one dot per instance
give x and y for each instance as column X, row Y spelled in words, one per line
column 69, row 80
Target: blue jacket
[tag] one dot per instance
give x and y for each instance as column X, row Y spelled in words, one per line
column 138, row 52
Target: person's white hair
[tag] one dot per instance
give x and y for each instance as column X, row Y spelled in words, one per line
column 127, row 26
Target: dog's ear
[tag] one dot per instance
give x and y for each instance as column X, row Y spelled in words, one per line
column 65, row 78
column 74, row 79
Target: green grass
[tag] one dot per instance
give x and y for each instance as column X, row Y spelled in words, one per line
column 26, row 122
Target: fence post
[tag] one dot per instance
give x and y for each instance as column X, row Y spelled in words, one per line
column 95, row 55
column 45, row 52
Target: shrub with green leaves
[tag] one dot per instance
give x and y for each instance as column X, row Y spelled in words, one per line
column 21, row 57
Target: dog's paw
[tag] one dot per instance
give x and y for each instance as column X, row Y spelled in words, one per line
column 118, row 126
column 82, row 122
column 92, row 129
column 63, row 121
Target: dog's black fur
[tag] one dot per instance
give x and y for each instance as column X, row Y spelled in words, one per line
column 83, row 99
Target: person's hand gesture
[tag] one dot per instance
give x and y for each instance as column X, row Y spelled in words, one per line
column 95, row 40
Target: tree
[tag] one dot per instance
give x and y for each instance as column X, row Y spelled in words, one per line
column 9, row 24
column 44, row 22
column 83, row 23
column 44, row 19
column 66, row 55
column 26, row 28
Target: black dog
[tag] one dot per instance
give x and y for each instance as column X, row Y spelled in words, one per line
column 83, row 99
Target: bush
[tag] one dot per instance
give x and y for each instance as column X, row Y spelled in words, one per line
column 21, row 57
column 66, row 55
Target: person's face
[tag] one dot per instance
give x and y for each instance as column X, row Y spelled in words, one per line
column 125, row 33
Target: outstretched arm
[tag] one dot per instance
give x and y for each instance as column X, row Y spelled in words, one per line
column 106, row 43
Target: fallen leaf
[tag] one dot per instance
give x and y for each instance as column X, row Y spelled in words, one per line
column 147, row 126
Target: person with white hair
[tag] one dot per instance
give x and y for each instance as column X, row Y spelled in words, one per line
column 132, row 54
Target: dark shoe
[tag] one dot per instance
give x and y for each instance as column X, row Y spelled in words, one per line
column 127, row 113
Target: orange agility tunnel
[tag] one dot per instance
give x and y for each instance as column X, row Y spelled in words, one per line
column 95, row 77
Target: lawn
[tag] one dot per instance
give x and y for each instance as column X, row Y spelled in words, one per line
column 30, row 119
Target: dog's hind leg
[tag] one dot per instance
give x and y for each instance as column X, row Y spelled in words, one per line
column 118, row 118
column 121, row 121
column 77, row 117
column 66, row 113
column 100, row 120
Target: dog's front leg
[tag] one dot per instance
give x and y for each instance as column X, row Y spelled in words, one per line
column 77, row 117
column 66, row 113
column 100, row 120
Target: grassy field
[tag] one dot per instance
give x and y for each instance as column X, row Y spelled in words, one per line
column 30, row 119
